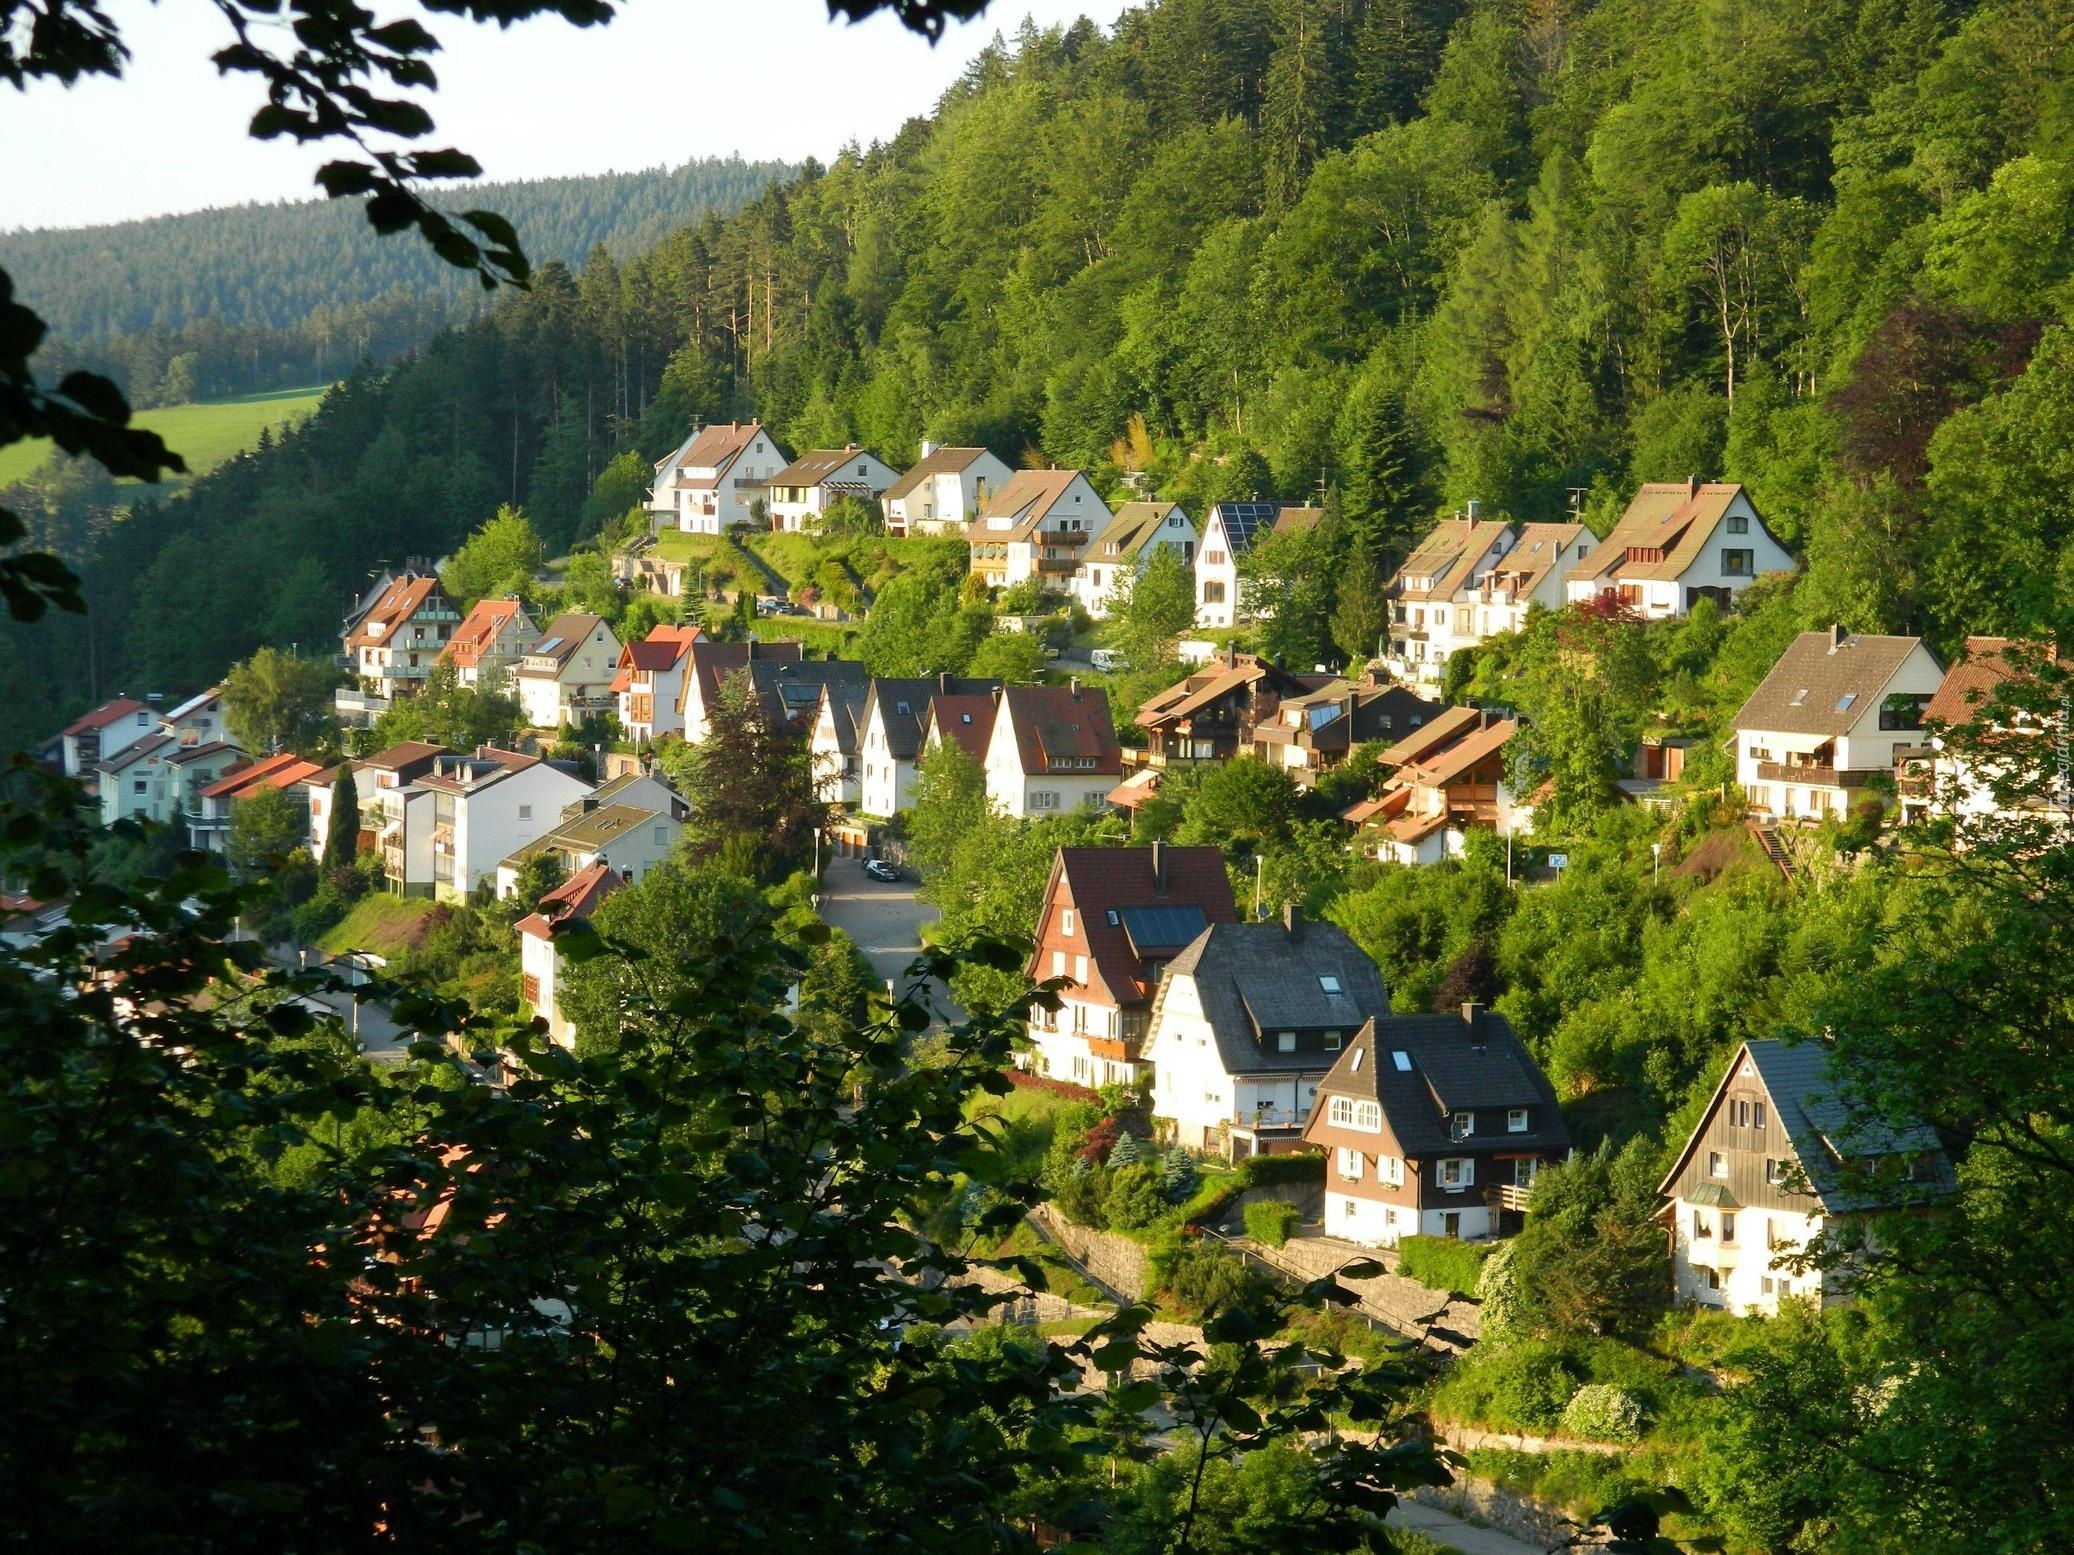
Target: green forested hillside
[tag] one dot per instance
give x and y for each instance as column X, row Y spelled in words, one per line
column 1424, row 250
column 266, row 296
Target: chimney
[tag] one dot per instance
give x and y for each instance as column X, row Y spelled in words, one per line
column 1073, row 686
column 1475, row 507
column 1159, row 867
column 1292, row 920
column 1692, row 488
column 928, row 448
column 1472, row 1017
column 1837, row 636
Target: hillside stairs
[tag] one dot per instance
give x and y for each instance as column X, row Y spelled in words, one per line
column 1774, row 848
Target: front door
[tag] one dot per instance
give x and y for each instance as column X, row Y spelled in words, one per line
column 1451, row 1223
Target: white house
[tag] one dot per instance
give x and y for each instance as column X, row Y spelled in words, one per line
column 1124, row 550
column 480, row 809
column 649, row 682
column 944, row 492
column 540, row 961
column 1776, row 1158
column 1053, row 749
column 104, row 734
column 383, row 782
column 1426, row 621
column 1534, row 571
column 393, row 646
column 198, row 720
column 1230, row 530
column 715, row 479
column 567, row 675
column 1829, row 718
column 1991, row 750
column 890, row 733
column 1680, row 542
column 630, row 838
column 1039, row 525
column 833, row 744
column 491, row 641
column 1247, row 1021
column 804, row 489
column 159, row 779
column 1433, row 1125
column 713, row 663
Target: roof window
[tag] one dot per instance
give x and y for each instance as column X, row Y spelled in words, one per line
column 1843, row 703
column 1799, row 696
column 1328, row 983
column 1401, row 1059
column 1354, row 1067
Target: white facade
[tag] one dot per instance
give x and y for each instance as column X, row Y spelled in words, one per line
column 1731, row 1258
column 836, row 773
column 474, row 827
column 1373, row 1223
column 946, row 500
column 798, row 509
column 1216, row 576
column 1046, row 537
column 1192, row 1089
column 1725, row 555
column 645, row 839
column 712, row 481
column 1799, row 776
column 540, row 965
column 1014, row 792
column 114, row 732
column 564, row 684
column 1104, row 581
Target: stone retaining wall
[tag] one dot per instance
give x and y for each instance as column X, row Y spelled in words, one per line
column 1114, row 1261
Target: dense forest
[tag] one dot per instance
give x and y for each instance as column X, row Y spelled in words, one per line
column 1422, row 250
column 224, row 302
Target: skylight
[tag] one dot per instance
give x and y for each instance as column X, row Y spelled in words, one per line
column 1843, row 703
column 549, row 646
column 1800, row 696
column 1401, row 1059
column 1355, row 1066
column 1328, row 983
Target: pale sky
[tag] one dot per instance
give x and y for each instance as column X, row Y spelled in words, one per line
column 667, row 82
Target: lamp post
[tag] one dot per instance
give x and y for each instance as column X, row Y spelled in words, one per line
column 1656, row 859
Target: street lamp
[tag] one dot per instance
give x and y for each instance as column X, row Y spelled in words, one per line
column 1656, row 859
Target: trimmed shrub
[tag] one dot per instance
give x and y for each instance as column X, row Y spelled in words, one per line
column 1271, row 1221
column 1294, row 1166
column 1137, row 1195
column 1442, row 1263
column 1599, row 1412
column 1199, row 1275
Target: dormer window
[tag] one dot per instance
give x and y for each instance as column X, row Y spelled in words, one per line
column 1347, row 1112
column 1516, row 1120
column 1285, row 1042
column 1332, row 1041
column 1462, row 1125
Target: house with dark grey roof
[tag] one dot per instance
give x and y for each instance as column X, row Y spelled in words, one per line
column 1829, row 718
column 1433, row 1125
column 834, row 743
column 1248, row 1021
column 890, row 733
column 1776, row 1158
column 1111, row 920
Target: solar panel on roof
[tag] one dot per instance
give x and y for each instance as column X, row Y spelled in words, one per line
column 1161, row 927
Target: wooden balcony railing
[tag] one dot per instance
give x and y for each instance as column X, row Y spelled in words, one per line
column 1814, row 776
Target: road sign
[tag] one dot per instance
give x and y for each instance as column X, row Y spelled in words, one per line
column 1558, row 861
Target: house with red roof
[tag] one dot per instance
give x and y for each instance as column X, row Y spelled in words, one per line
column 1980, row 757
column 1111, row 921
column 715, row 479
column 392, row 647
column 649, row 681
column 540, row 960
column 491, row 641
column 209, row 824
column 967, row 719
column 104, row 733
column 1680, row 542
column 1052, row 749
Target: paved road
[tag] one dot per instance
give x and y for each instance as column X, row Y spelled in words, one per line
column 1456, row 1534
column 885, row 921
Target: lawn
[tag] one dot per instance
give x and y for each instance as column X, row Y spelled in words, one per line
column 382, row 924
column 205, row 435
column 674, row 545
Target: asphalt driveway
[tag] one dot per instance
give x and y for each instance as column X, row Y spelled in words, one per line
column 886, row 922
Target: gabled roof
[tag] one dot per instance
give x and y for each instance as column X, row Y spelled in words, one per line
column 1219, row 678
column 575, row 898
column 1979, row 672
column 484, row 624
column 661, row 649
column 1056, row 724
column 1027, row 499
column 1667, row 526
column 194, row 704
column 589, row 830
column 268, row 772
column 1243, row 522
column 1443, row 766
column 968, row 720
column 565, row 634
column 130, row 754
column 1827, row 1137
column 472, row 774
column 901, row 707
column 1450, row 725
column 712, row 662
column 1106, row 881
column 406, row 753
column 842, row 705
column 792, row 690
column 1136, row 525
column 1538, row 549
column 939, row 461
column 1255, row 978
column 104, row 715
column 820, row 464
column 401, row 600
column 1461, row 572
column 187, row 753
column 1423, row 1068
column 1824, row 682
column 711, row 448
column 1448, row 555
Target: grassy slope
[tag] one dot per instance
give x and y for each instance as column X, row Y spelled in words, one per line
column 385, row 925
column 204, row 435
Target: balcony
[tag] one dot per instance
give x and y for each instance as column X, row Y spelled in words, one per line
column 1267, row 1120
column 1509, row 1196
column 1061, row 564
column 1813, row 776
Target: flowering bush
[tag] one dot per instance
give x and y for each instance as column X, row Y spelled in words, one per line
column 1600, row 1412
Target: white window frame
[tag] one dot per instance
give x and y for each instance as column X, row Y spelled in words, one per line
column 1717, row 1165
column 1516, row 1120
column 1349, row 1164
column 1462, row 1125
column 1066, row 922
column 1352, row 1112
column 1390, row 1169
column 1285, row 1042
column 1455, row 1172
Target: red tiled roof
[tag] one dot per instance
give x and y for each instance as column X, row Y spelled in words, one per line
column 104, row 715
column 576, row 897
column 268, row 772
column 714, row 448
column 967, row 719
column 399, row 602
column 1443, row 766
column 712, row 661
column 1055, row 724
column 1102, row 880
column 472, row 638
column 1978, row 673
column 403, row 754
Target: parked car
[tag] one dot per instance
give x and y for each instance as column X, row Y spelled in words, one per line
column 879, row 869
column 1105, row 659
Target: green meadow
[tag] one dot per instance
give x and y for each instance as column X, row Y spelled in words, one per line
column 203, row 434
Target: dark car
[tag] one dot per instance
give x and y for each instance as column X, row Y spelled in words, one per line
column 879, row 869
